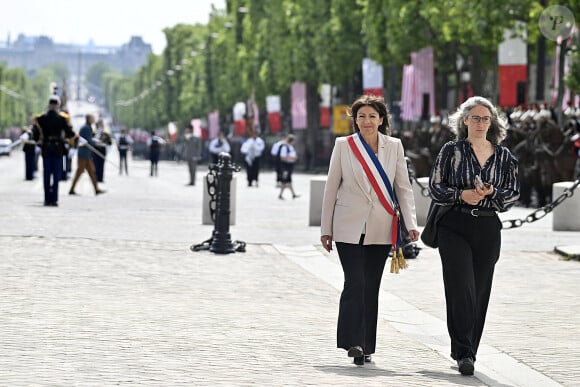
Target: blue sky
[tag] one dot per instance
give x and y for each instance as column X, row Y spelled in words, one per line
column 105, row 22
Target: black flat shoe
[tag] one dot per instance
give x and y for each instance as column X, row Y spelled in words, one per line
column 466, row 366
column 355, row 352
column 359, row 360
column 368, row 358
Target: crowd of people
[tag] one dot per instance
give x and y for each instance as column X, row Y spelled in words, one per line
column 51, row 137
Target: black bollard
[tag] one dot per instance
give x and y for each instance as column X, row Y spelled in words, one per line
column 221, row 241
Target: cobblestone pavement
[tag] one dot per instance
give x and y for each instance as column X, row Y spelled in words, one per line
column 105, row 291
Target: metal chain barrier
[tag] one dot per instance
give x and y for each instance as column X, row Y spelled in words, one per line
column 542, row 211
column 535, row 215
column 424, row 188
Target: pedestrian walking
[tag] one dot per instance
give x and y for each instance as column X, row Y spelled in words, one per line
column 154, row 143
column 50, row 131
column 477, row 177
column 124, row 142
column 360, row 214
column 275, row 153
column 218, row 145
column 85, row 156
column 288, row 157
column 102, row 141
column 191, row 152
column 29, row 149
column 252, row 150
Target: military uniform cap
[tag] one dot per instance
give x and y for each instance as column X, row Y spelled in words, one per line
column 54, row 99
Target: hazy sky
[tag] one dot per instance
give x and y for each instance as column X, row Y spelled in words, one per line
column 106, row 22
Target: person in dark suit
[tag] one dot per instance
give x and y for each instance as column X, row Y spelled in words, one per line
column 362, row 224
column 154, row 142
column 50, row 131
column 191, row 152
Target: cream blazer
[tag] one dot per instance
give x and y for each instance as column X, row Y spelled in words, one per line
column 350, row 205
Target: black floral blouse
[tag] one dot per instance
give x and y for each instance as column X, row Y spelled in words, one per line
column 456, row 167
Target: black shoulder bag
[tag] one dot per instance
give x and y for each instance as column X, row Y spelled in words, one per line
column 430, row 232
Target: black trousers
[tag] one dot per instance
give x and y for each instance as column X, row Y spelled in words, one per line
column 123, row 161
column 359, row 302
column 29, row 160
column 252, row 171
column 469, row 248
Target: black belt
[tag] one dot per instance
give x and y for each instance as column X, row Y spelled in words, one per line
column 475, row 211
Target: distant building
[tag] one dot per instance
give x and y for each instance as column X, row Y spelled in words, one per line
column 33, row 53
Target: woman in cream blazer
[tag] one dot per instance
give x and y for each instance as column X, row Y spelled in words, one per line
column 354, row 218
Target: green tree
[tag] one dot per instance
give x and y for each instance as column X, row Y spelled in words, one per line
column 94, row 77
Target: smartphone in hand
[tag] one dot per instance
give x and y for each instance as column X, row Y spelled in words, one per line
column 478, row 181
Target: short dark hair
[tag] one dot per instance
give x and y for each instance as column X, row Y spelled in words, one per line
column 377, row 103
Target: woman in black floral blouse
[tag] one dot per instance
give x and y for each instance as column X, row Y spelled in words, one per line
column 478, row 177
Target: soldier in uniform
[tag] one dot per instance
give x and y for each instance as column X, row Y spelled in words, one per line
column 50, row 131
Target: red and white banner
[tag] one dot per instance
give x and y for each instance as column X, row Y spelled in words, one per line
column 372, row 73
column 325, row 97
column 273, row 107
column 299, row 117
column 513, row 69
column 239, row 113
column 172, row 130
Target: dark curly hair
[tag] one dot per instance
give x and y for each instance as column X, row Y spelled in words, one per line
column 377, row 103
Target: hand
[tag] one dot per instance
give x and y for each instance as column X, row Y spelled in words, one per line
column 414, row 235
column 472, row 196
column 486, row 189
column 326, row 242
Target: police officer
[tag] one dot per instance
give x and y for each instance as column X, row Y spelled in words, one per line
column 50, row 131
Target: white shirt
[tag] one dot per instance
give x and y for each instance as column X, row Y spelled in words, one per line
column 216, row 148
column 288, row 153
column 275, row 147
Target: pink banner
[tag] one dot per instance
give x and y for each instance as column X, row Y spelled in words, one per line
column 214, row 124
column 408, row 93
column 299, row 105
column 196, row 123
column 418, row 79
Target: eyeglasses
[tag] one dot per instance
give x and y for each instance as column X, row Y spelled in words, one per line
column 478, row 119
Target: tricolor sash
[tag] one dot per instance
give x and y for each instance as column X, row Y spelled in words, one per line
column 378, row 179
